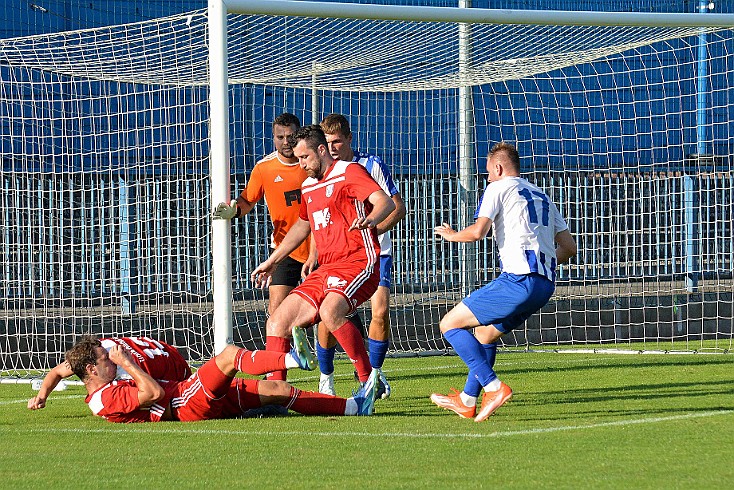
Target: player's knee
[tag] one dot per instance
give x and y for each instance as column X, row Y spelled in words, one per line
column 275, row 391
column 276, row 326
column 447, row 323
column 331, row 319
column 228, row 353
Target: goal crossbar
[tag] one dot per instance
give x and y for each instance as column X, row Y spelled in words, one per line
column 474, row 16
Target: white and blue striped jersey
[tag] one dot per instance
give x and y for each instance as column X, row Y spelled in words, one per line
column 525, row 224
column 380, row 172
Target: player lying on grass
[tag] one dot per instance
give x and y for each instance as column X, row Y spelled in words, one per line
column 159, row 359
column 212, row 392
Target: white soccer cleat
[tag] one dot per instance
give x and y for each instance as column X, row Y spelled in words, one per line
column 326, row 384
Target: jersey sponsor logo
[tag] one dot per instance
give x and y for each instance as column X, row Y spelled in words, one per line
column 278, row 179
column 329, row 190
column 321, row 218
column 309, row 200
column 293, row 196
column 335, row 282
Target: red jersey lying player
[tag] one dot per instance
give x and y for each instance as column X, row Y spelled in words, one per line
column 212, row 392
column 159, row 359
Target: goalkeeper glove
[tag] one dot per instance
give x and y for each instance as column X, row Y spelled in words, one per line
column 226, row 211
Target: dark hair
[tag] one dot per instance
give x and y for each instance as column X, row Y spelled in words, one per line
column 312, row 134
column 509, row 150
column 82, row 354
column 336, row 123
column 287, row 119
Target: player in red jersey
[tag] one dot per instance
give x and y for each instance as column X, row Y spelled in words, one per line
column 340, row 206
column 212, row 392
column 159, row 359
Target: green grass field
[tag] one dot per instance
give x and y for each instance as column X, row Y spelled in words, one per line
column 576, row 421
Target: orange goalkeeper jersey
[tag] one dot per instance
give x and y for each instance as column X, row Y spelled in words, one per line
column 280, row 183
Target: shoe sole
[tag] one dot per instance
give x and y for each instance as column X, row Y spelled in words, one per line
column 481, row 417
column 302, row 348
column 451, row 409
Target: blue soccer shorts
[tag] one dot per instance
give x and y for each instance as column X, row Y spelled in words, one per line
column 509, row 300
column 386, row 271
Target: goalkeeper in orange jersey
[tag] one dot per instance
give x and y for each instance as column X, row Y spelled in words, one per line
column 278, row 178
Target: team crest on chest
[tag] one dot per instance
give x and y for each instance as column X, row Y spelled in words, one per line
column 329, row 190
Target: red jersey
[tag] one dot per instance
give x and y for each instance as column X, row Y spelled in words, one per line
column 208, row 394
column 118, row 402
column 280, row 183
column 331, row 205
column 160, row 360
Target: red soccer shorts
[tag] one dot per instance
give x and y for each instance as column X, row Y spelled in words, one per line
column 351, row 280
column 210, row 394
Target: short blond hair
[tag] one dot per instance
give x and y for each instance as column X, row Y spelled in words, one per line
column 336, row 123
column 509, row 150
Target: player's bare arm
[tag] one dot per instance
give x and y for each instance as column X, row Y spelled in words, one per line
column 149, row 391
column 472, row 233
column 382, row 206
column 295, row 236
column 393, row 218
column 565, row 246
column 50, row 381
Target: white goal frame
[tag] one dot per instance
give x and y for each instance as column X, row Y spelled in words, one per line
column 219, row 122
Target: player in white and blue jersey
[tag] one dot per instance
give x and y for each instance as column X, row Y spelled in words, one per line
column 339, row 138
column 532, row 238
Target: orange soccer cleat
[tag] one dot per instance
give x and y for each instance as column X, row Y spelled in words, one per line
column 453, row 402
column 492, row 400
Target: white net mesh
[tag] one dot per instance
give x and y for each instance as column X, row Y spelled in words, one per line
column 104, row 224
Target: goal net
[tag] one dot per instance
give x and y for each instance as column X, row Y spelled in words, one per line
column 105, row 206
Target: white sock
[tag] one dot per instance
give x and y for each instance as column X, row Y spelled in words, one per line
column 351, row 408
column 469, row 401
column 494, row 385
column 290, row 361
column 326, row 376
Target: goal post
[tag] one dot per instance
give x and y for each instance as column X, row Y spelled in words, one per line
column 116, row 143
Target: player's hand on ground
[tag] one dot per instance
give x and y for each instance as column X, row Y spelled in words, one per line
column 36, row 403
column 444, row 230
column 225, row 211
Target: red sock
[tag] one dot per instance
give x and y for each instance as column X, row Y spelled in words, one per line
column 257, row 362
column 277, row 344
column 311, row 403
column 351, row 341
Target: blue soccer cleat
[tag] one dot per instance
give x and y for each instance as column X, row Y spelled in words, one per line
column 365, row 396
column 383, row 387
column 301, row 351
